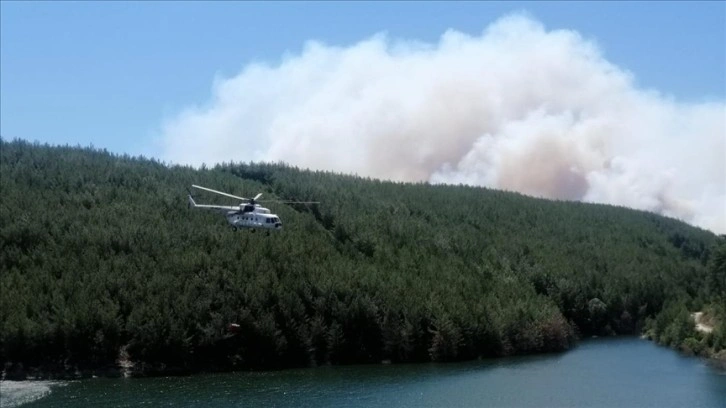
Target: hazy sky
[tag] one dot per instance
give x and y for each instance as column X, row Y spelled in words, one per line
column 611, row 102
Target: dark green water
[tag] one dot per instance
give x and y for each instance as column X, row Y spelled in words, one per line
column 622, row 372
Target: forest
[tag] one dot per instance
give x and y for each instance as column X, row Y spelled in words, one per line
column 102, row 261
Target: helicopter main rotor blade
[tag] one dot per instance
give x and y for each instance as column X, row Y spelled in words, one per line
column 219, row 192
column 289, row 202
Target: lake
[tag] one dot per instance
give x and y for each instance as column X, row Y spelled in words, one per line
column 612, row 372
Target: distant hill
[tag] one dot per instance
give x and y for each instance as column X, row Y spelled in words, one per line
column 101, row 257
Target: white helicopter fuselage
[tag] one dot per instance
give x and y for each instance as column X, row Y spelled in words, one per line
column 245, row 215
column 256, row 217
column 251, row 216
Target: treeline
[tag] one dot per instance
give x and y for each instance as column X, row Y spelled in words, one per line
column 100, row 256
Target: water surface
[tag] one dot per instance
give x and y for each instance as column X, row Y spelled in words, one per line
column 617, row 372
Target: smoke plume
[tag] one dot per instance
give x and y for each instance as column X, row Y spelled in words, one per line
column 517, row 108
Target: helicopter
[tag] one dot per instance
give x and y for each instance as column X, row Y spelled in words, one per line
column 248, row 214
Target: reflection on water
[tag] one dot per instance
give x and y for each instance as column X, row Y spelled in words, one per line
column 620, row 372
column 17, row 393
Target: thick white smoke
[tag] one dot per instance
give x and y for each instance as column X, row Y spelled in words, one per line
column 517, row 108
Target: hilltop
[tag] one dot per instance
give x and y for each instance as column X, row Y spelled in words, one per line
column 102, row 260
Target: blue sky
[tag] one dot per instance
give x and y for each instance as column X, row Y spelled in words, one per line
column 108, row 73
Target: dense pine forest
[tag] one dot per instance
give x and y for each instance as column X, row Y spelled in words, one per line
column 101, row 260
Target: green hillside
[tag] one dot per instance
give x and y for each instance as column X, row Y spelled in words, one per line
column 100, row 256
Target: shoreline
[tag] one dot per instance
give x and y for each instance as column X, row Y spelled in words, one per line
column 18, row 372
column 127, row 368
column 133, row 369
column 715, row 359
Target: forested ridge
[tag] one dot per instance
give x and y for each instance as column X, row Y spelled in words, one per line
column 100, row 257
